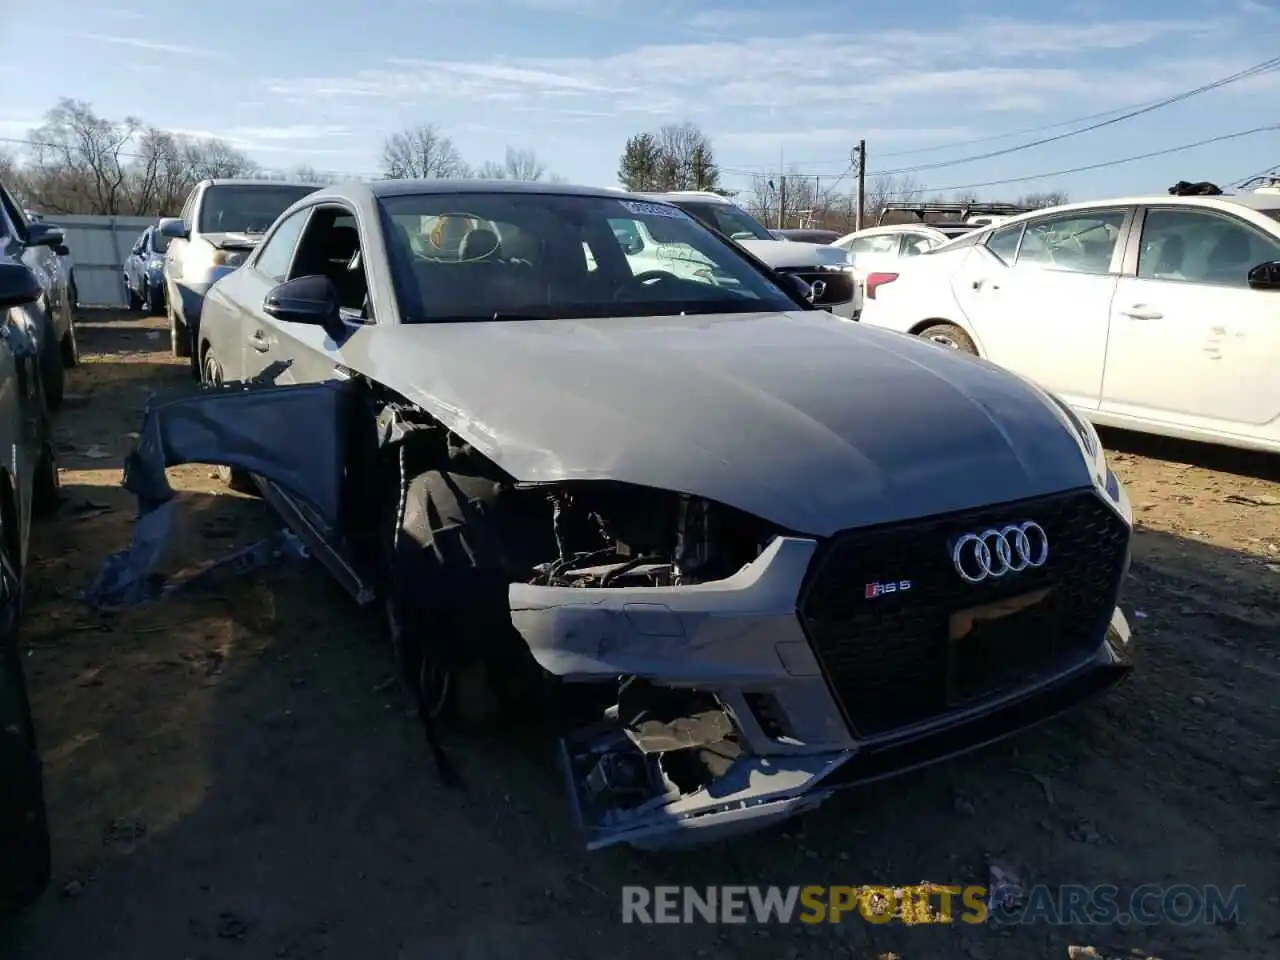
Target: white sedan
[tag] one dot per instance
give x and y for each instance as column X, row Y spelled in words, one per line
column 1157, row 314
column 878, row 248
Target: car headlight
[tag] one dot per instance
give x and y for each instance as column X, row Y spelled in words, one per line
column 1091, row 446
column 228, row 258
column 155, row 265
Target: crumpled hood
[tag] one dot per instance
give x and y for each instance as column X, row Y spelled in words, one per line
column 790, row 253
column 234, row 241
column 813, row 424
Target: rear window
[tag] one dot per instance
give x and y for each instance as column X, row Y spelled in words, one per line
column 244, row 208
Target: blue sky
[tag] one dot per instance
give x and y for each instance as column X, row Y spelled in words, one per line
column 320, row 82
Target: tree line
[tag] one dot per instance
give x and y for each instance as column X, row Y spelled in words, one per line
column 78, row 162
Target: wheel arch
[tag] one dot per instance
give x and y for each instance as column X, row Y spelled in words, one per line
column 923, row 325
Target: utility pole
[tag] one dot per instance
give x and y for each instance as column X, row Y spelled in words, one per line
column 782, row 192
column 860, row 164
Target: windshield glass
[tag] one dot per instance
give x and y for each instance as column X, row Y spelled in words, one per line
column 483, row 256
column 733, row 222
column 159, row 242
column 244, row 208
column 1273, row 214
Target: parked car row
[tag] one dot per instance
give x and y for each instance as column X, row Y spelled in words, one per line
column 606, row 450
column 37, row 340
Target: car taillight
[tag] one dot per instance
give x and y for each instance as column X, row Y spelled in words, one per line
column 877, row 280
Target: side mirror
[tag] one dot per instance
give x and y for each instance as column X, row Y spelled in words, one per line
column 1265, row 276
column 175, row 228
column 797, row 286
column 18, row 285
column 44, row 235
column 62, row 250
column 312, row 300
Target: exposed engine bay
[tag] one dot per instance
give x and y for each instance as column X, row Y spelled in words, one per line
column 643, row 744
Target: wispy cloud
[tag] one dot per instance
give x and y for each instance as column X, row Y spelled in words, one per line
column 121, row 13
column 154, row 45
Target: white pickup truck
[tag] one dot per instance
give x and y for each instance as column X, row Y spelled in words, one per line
column 824, row 267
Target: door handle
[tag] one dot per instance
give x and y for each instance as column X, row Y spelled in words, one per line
column 1141, row 311
column 259, row 342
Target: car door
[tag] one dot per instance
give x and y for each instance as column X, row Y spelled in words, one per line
column 242, row 335
column 41, row 259
column 1190, row 342
column 328, row 244
column 1038, row 294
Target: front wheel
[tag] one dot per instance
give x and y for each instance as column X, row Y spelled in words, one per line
column 53, row 374
column 233, row 477
column 445, row 602
column 950, row 336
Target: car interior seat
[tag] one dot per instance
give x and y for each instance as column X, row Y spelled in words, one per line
column 479, row 245
column 1229, row 258
column 1169, row 256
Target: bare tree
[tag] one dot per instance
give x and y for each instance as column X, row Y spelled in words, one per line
column 421, row 153
column 309, row 174
column 517, row 165
column 888, row 189
column 81, row 159
column 1047, row 198
column 677, row 157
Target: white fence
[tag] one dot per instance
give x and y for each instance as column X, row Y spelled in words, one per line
column 99, row 246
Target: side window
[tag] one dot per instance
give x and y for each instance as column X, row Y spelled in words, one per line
column 330, row 246
column 17, row 222
column 914, row 244
column 277, row 252
column 1077, row 243
column 878, row 243
column 1004, row 242
column 1201, row 247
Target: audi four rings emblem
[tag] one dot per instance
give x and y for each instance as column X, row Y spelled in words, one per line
column 995, row 552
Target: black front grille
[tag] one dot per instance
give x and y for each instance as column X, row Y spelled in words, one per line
column 890, row 659
column 838, row 285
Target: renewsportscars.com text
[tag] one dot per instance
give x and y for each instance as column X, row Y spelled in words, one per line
column 1102, row 904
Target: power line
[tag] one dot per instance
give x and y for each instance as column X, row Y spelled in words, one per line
column 1265, row 66
column 1096, row 166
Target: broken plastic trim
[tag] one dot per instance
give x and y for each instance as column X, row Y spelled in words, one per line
column 293, row 435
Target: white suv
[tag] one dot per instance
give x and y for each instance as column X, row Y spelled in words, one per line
column 221, row 223
column 824, row 267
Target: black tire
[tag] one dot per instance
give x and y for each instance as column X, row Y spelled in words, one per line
column 24, row 825
column 154, row 304
column 46, row 484
column 179, row 335
column 53, row 374
column 70, row 347
column 444, row 590
column 950, row 336
column 232, row 477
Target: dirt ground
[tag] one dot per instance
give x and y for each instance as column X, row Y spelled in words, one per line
column 235, row 775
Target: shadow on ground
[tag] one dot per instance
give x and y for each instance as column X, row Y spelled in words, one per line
column 236, row 775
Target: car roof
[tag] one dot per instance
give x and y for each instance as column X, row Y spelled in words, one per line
column 399, row 188
column 1228, row 202
column 249, row 182
column 673, row 195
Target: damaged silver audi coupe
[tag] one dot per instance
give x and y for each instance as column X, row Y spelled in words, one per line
column 761, row 553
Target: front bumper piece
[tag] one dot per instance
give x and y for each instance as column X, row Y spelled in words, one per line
column 739, row 644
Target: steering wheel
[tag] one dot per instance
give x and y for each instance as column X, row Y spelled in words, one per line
column 645, row 278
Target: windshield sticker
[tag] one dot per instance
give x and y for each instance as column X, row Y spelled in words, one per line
column 653, row 210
